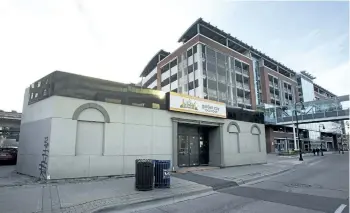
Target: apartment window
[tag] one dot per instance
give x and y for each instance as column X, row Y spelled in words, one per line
column 173, row 63
column 165, row 82
column 194, row 49
column 204, row 67
column 211, row 67
column 212, row 84
column 239, row 78
column 205, row 83
column 270, row 78
column 189, row 53
column 190, row 69
column 190, row 85
column 196, row 83
column 195, row 66
column 164, row 69
column 173, row 78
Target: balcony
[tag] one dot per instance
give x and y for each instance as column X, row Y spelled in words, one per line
column 246, row 87
column 239, row 85
column 247, row 101
column 222, row 96
column 270, row 83
column 211, row 76
column 222, row 79
column 276, row 85
column 237, row 69
column 212, row 93
column 246, row 72
column 240, row 99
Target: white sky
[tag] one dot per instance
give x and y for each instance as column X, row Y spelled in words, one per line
column 108, row 39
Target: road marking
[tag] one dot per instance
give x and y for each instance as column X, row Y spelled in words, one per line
column 340, row 208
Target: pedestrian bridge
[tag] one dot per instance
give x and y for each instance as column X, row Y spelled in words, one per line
column 334, row 109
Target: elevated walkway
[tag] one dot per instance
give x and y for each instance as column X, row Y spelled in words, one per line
column 314, row 111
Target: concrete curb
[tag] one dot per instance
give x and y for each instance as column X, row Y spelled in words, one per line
column 242, row 182
column 166, row 199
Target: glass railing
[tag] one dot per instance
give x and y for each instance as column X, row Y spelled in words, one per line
column 246, row 86
column 239, row 85
column 240, row 100
column 222, row 78
column 245, row 72
column 211, row 76
column 247, row 101
column 212, row 93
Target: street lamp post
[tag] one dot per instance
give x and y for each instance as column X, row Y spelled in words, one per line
column 297, row 127
column 319, row 128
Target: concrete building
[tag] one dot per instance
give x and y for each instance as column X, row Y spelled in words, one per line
column 75, row 126
column 212, row 64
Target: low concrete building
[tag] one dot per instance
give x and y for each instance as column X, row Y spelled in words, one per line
column 85, row 127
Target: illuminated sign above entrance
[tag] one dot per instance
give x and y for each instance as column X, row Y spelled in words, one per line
column 194, row 105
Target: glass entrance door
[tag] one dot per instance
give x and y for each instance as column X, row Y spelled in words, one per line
column 188, row 150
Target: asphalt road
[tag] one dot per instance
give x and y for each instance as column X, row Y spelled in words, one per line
column 320, row 186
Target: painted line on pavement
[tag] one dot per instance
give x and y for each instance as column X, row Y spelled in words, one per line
column 340, row 208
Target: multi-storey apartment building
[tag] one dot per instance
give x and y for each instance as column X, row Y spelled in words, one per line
column 214, row 65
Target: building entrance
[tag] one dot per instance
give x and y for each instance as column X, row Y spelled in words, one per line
column 193, row 146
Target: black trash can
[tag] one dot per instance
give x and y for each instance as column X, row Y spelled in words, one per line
column 144, row 174
column 161, row 174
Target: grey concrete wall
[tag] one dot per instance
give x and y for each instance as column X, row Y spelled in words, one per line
column 252, row 148
column 215, row 147
column 31, row 147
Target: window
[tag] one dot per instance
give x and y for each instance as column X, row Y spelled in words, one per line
column 194, row 49
column 205, row 83
column 212, row 84
column 165, row 82
column 190, row 69
column 164, row 69
column 173, row 63
column 195, row 65
column 196, row 83
column 174, row 90
column 173, row 78
column 190, row 85
column 39, row 83
column 211, row 67
column 203, row 49
column 239, row 78
column 189, row 53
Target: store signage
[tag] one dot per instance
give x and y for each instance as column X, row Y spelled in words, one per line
column 190, row 104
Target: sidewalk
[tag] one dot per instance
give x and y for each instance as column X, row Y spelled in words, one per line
column 22, row 194
column 238, row 175
column 88, row 196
